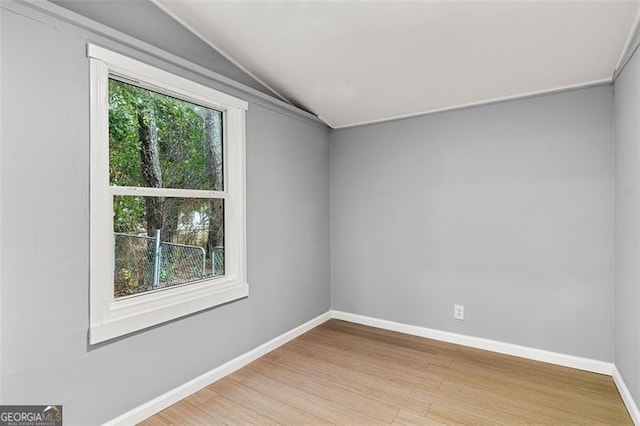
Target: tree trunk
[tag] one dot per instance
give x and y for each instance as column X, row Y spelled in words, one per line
column 213, row 149
column 151, row 174
column 172, row 207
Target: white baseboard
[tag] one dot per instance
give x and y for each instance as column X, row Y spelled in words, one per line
column 632, row 408
column 163, row 401
column 169, row 398
column 572, row 361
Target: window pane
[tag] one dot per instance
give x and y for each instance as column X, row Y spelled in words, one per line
column 159, row 141
column 163, row 242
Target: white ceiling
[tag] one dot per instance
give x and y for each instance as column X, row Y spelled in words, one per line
column 354, row 62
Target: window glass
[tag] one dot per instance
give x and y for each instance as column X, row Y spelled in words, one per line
column 159, row 141
column 182, row 244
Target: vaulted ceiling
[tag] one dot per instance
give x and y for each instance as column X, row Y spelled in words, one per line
column 355, row 62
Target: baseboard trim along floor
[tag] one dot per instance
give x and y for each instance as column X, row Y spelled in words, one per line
column 632, row 408
column 580, row 363
column 171, row 397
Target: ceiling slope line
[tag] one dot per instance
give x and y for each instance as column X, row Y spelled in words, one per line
column 560, row 89
column 162, row 7
column 627, row 44
column 54, row 15
column 325, row 122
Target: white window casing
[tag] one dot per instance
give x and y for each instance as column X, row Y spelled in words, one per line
column 111, row 317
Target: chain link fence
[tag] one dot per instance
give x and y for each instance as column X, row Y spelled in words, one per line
column 217, row 261
column 145, row 263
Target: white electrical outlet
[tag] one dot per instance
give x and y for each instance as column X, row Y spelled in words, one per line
column 458, row 312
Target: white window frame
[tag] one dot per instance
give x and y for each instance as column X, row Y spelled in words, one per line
column 111, row 317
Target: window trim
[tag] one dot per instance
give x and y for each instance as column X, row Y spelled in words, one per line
column 110, row 317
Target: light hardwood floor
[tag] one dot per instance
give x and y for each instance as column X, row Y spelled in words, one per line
column 344, row 373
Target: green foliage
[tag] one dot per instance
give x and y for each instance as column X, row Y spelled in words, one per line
column 124, row 159
column 182, row 148
column 180, row 130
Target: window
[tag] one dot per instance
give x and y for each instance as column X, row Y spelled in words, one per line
column 167, row 203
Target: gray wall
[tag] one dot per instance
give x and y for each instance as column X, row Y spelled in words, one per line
column 506, row 209
column 627, row 181
column 145, row 21
column 44, row 173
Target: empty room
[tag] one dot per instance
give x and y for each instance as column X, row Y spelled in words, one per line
column 319, row 212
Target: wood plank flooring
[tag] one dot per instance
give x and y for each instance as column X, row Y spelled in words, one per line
column 343, row 373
